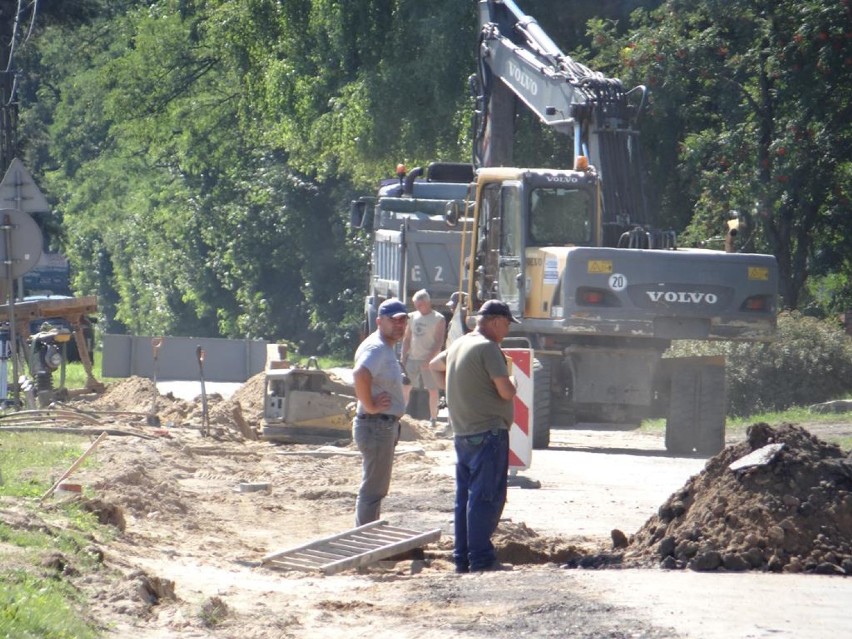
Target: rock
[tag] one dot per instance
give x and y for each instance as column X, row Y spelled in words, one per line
column 686, row 549
column 775, row 564
column 827, row 568
column 619, row 539
column 775, row 534
column 706, row 561
column 754, row 557
column 735, row 562
column 667, row 547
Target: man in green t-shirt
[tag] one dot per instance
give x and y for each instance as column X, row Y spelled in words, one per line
column 480, row 395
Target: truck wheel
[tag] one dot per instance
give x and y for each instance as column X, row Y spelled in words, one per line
column 696, row 419
column 541, row 403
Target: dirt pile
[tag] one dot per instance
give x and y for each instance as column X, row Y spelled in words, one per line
column 133, row 398
column 785, row 508
column 250, row 397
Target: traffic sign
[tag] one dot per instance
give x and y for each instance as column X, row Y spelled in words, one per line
column 23, row 249
column 19, row 191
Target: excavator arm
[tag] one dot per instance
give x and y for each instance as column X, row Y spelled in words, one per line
column 517, row 61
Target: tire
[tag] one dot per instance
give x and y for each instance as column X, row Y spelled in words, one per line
column 696, row 417
column 542, row 371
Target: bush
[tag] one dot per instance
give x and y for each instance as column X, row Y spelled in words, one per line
column 809, row 362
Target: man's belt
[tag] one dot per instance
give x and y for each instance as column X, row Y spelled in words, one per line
column 379, row 416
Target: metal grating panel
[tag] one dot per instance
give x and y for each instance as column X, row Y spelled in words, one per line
column 357, row 547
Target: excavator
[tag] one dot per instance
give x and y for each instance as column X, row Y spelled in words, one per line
column 600, row 293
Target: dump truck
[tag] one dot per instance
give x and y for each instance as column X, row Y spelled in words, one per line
column 414, row 223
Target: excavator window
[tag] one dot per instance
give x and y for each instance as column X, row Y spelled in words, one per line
column 560, row 217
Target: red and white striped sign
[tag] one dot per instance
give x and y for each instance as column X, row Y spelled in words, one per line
column 520, row 435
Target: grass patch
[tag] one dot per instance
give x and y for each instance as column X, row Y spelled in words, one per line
column 31, row 462
column 35, row 602
column 75, row 374
column 39, row 608
column 795, row 415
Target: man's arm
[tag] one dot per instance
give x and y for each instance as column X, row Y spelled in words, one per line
column 406, row 343
column 363, row 379
column 438, row 366
column 505, row 386
column 439, row 339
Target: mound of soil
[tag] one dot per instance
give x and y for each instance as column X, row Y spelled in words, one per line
column 250, row 397
column 785, row 508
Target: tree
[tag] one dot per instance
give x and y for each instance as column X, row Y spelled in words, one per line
column 749, row 112
column 18, row 22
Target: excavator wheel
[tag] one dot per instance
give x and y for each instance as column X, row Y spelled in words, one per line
column 542, row 370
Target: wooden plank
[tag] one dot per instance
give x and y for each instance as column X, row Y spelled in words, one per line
column 47, row 308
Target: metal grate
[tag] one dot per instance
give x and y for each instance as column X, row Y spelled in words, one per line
column 357, row 547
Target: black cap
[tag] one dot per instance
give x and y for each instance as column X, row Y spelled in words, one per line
column 496, row 307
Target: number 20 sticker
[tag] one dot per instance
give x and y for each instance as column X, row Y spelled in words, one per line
column 617, row 282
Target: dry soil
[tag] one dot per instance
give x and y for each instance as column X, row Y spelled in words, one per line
column 619, row 540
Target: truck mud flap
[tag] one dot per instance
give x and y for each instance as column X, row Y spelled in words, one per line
column 697, row 404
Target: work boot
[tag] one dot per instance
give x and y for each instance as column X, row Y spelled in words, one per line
column 493, row 567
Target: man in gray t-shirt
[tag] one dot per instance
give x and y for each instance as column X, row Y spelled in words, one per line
column 480, row 397
column 378, row 386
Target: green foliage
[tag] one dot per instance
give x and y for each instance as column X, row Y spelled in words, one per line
column 29, row 459
column 749, row 109
column 200, row 157
column 809, row 362
column 33, row 607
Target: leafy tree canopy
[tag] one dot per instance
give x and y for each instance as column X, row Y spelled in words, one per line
column 201, row 153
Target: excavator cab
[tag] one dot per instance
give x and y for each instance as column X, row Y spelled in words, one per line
column 561, row 217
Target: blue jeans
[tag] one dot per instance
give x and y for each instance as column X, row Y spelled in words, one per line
column 482, row 470
column 376, row 439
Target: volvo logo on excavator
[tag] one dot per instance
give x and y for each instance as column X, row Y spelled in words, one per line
column 522, row 78
column 682, row 297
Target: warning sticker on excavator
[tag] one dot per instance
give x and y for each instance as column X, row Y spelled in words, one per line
column 551, row 270
column 758, row 273
column 600, row 266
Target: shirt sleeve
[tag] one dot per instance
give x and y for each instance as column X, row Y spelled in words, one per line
column 495, row 361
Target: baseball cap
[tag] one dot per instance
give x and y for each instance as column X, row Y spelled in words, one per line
column 454, row 299
column 392, row 308
column 496, row 307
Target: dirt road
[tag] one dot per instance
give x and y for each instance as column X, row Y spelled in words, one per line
column 186, row 564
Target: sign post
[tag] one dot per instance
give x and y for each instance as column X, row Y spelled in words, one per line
column 520, row 435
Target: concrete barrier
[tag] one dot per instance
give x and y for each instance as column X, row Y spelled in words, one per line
column 225, row 360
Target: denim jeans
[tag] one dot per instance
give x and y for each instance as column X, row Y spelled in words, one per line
column 482, row 469
column 376, row 439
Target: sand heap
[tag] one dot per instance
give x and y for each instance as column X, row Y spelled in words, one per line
column 787, row 507
column 137, row 394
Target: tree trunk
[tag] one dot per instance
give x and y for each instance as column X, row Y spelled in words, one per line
column 8, row 104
